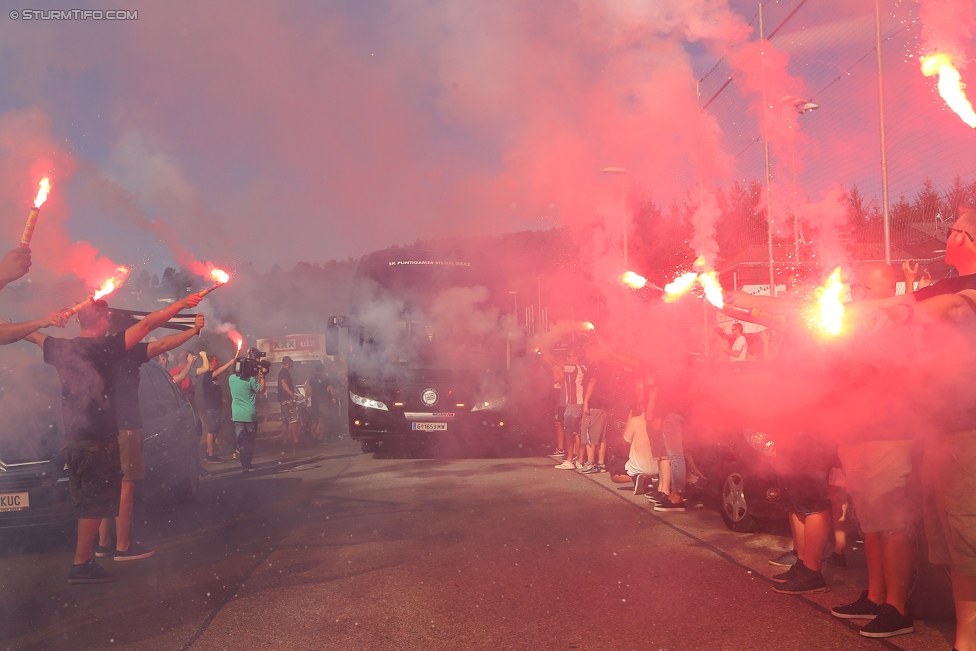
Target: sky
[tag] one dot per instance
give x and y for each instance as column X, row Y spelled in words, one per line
column 270, row 133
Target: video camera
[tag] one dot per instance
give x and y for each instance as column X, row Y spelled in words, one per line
column 252, row 365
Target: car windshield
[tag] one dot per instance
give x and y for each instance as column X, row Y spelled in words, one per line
column 30, row 401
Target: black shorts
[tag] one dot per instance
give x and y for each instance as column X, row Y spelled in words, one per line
column 617, row 465
column 806, row 476
column 94, row 478
column 215, row 420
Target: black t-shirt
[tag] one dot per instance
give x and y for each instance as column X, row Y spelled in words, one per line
column 320, row 392
column 284, row 378
column 127, row 373
column 602, row 396
column 213, row 397
column 86, row 368
column 946, row 286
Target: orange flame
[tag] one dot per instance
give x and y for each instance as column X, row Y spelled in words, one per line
column 240, row 344
column 588, row 326
column 679, row 286
column 713, row 290
column 830, row 308
column 633, row 280
column 112, row 283
column 219, row 275
column 42, row 191
column 950, row 85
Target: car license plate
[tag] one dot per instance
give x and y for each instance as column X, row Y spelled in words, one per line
column 14, row 501
column 429, row 427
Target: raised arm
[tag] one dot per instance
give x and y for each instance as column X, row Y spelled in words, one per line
column 138, row 332
column 220, row 371
column 170, row 342
column 179, row 377
column 204, row 364
column 11, row 332
column 14, row 265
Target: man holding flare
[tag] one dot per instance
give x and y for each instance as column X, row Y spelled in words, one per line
column 86, row 366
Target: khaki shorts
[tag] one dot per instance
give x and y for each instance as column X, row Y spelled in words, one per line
column 949, row 493
column 594, row 427
column 130, row 454
column 877, row 481
column 94, row 478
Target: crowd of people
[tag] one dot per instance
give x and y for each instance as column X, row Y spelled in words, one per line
column 880, row 412
column 99, row 372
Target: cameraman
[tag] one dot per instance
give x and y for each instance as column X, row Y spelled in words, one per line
column 245, row 385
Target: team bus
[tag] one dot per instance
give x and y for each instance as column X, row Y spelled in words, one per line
column 434, row 350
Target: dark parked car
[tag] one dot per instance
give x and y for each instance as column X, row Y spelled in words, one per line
column 737, row 414
column 33, row 479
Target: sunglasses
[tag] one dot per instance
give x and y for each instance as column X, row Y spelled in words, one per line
column 956, row 230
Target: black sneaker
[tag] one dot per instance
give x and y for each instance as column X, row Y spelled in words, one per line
column 888, row 623
column 592, row 470
column 133, row 553
column 786, row 559
column 658, row 498
column 803, row 581
column 836, row 560
column 213, row 458
column 785, row 576
column 102, row 552
column 667, row 506
column 89, row 572
column 863, row 608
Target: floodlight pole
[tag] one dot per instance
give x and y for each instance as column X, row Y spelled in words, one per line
column 884, row 147
column 769, row 201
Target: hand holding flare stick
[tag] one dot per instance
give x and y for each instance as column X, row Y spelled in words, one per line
column 42, row 192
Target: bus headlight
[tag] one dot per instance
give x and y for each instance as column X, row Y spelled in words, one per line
column 369, row 403
column 489, row 404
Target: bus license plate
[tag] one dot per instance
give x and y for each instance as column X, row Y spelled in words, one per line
column 14, row 501
column 429, row 427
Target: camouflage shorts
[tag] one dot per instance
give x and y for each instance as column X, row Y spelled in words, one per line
column 95, row 478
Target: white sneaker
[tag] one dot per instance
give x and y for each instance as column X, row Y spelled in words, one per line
column 566, row 465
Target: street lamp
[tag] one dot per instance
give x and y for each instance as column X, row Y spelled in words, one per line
column 623, row 204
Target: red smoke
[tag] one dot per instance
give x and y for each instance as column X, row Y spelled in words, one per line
column 29, row 151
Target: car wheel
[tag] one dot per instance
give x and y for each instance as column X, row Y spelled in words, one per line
column 735, row 509
column 188, row 489
column 370, row 447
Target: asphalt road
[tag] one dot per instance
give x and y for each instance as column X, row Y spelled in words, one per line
column 327, row 548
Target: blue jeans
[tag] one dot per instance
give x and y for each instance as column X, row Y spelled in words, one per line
column 671, row 430
column 246, row 433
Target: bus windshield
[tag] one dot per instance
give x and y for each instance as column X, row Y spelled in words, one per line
column 427, row 316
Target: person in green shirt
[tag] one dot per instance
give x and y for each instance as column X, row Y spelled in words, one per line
column 244, row 414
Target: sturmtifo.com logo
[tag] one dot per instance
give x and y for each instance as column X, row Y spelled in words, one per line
column 429, row 397
column 74, row 14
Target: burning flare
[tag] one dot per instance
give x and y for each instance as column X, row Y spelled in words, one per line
column 679, row 286
column 240, row 343
column 113, row 283
column 713, row 290
column 219, row 276
column 830, row 308
column 633, row 280
column 109, row 286
column 950, row 85
column 42, row 192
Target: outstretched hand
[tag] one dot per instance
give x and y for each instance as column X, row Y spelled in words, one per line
column 910, row 269
column 55, row 318
column 15, row 264
column 192, row 300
